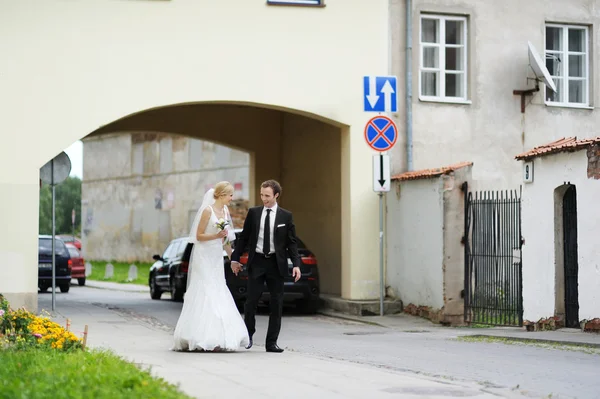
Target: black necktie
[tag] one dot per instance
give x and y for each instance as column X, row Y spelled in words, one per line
column 267, row 241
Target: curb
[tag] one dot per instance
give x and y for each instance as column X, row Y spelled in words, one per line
column 141, row 290
column 536, row 340
column 350, row 318
column 526, row 340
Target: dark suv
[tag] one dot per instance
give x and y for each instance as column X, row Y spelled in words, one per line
column 63, row 264
column 169, row 272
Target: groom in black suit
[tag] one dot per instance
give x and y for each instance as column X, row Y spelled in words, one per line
column 270, row 235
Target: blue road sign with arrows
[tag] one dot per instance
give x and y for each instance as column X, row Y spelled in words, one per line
column 380, row 94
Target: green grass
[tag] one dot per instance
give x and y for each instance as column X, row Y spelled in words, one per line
column 121, row 272
column 475, row 325
column 493, row 318
column 545, row 344
column 41, row 374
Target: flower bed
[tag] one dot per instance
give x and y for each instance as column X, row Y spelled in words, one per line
column 39, row 359
column 22, row 329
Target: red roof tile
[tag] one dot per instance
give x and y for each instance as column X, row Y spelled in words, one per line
column 566, row 144
column 429, row 173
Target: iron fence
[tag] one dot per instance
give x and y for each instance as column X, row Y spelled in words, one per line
column 493, row 267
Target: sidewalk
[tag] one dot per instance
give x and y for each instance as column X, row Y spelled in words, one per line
column 253, row 373
column 107, row 285
column 408, row 323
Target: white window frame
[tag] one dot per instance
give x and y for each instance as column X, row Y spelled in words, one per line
column 564, row 78
column 442, row 58
column 310, row 3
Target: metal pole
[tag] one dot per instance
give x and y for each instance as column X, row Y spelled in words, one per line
column 381, row 285
column 409, row 89
column 53, row 234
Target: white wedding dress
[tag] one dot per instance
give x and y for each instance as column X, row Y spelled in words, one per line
column 209, row 319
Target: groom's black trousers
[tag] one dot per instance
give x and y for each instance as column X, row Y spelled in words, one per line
column 264, row 270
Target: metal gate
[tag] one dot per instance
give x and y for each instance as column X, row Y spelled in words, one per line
column 570, row 258
column 493, row 268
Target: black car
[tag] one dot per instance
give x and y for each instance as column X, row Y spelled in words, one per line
column 304, row 293
column 169, row 272
column 63, row 264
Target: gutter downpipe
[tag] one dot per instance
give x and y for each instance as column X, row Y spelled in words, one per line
column 408, row 98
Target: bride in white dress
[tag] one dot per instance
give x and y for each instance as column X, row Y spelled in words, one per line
column 210, row 320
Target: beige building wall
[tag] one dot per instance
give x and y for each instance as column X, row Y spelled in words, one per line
column 300, row 60
column 487, row 127
column 141, row 190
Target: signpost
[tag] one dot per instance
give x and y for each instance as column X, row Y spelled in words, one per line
column 381, row 134
column 53, row 173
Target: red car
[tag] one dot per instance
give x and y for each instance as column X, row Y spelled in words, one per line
column 76, row 263
column 69, row 239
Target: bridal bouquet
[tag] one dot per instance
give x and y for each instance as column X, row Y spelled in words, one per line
column 221, row 225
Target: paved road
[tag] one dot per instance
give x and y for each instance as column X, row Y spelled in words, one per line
column 534, row 371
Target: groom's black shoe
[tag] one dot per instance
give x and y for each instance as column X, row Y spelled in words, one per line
column 274, row 348
column 249, row 344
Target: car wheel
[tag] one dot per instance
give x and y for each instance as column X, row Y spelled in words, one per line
column 65, row 287
column 155, row 291
column 176, row 293
column 43, row 288
column 81, row 281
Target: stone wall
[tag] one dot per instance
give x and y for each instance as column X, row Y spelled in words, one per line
column 142, row 190
column 593, row 169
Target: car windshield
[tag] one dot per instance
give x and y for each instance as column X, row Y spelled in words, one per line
column 45, row 247
column 73, row 252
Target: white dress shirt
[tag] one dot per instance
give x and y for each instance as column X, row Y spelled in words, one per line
column 261, row 231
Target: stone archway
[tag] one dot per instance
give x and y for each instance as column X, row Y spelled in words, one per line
column 303, row 153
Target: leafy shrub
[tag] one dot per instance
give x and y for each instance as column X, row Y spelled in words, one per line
column 22, row 329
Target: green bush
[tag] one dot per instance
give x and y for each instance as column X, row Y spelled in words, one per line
column 4, row 305
column 21, row 329
column 45, row 373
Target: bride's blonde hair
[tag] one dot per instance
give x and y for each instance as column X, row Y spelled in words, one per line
column 223, row 188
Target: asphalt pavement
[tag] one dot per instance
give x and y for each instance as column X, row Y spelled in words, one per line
column 392, row 351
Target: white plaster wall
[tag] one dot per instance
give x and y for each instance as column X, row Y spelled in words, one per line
column 538, row 227
column 415, row 242
column 71, row 67
column 491, row 130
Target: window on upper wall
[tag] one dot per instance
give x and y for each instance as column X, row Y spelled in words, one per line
column 568, row 61
column 443, row 58
column 297, row 2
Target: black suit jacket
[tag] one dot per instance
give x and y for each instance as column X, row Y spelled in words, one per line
column 284, row 238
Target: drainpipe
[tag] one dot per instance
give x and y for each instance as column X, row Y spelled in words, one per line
column 408, row 98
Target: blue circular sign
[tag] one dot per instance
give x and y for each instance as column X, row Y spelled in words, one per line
column 381, row 133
